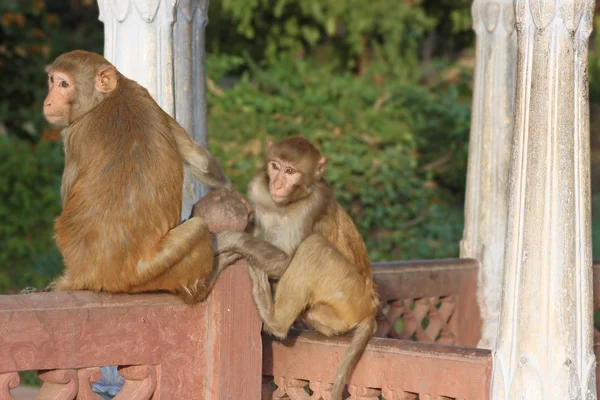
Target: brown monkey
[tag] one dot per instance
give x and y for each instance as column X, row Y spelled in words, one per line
column 312, row 246
column 122, row 185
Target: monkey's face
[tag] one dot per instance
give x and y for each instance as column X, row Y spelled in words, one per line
column 61, row 94
column 284, row 180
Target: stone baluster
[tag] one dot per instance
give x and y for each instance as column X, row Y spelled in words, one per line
column 140, row 382
column 545, row 340
column 58, row 384
column 144, row 41
column 8, row 381
column 86, row 377
column 489, row 153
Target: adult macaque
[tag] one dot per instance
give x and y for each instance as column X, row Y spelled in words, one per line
column 312, row 246
column 122, row 185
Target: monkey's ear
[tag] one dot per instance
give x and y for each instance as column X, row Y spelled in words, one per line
column 106, row 79
column 321, row 166
column 268, row 144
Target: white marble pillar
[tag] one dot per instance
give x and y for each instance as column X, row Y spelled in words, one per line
column 160, row 44
column 545, row 341
column 489, row 153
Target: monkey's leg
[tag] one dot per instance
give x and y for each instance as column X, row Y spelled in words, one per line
column 182, row 264
column 261, row 254
column 189, row 278
column 174, row 246
column 277, row 316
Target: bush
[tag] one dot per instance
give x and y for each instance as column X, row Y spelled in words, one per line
column 30, row 185
column 348, row 29
column 24, row 29
column 394, row 149
column 31, row 36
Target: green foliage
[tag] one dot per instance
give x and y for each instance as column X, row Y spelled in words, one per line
column 29, row 186
column 594, row 63
column 31, row 35
column 344, row 30
column 390, row 145
column 24, row 30
column 397, row 150
column 453, row 31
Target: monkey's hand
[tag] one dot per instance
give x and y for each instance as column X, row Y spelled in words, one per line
column 225, row 259
column 228, row 241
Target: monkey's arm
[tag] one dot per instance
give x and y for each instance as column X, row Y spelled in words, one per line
column 261, row 254
column 203, row 165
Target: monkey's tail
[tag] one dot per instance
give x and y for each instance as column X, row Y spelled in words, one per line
column 364, row 331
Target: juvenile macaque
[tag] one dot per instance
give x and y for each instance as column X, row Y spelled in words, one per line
column 122, row 185
column 312, row 246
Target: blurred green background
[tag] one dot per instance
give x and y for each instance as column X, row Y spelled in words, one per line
column 382, row 87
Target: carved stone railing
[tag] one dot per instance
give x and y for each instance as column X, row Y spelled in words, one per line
column 165, row 348
column 213, row 351
column 305, row 363
column 433, row 302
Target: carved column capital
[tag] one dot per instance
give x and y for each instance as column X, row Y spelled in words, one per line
column 541, row 13
column 147, row 54
column 189, row 8
column 487, row 14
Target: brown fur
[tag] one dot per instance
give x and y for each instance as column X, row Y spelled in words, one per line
column 122, row 186
column 312, row 246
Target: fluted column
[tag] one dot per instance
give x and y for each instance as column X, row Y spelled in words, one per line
column 489, row 153
column 190, row 81
column 160, row 44
column 545, row 340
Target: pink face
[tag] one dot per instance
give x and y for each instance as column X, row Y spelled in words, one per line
column 283, row 179
column 61, row 94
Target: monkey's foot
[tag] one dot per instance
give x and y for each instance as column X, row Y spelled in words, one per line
column 29, row 290
column 263, row 297
column 50, row 288
column 261, row 287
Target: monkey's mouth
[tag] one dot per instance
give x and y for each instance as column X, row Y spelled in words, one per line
column 280, row 200
column 54, row 119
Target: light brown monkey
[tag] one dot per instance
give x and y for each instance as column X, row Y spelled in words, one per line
column 122, row 185
column 312, row 246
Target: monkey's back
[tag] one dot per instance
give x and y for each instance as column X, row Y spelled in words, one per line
column 126, row 189
column 337, row 226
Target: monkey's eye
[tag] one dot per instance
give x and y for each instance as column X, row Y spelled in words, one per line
column 275, row 166
column 64, row 84
column 290, row 171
